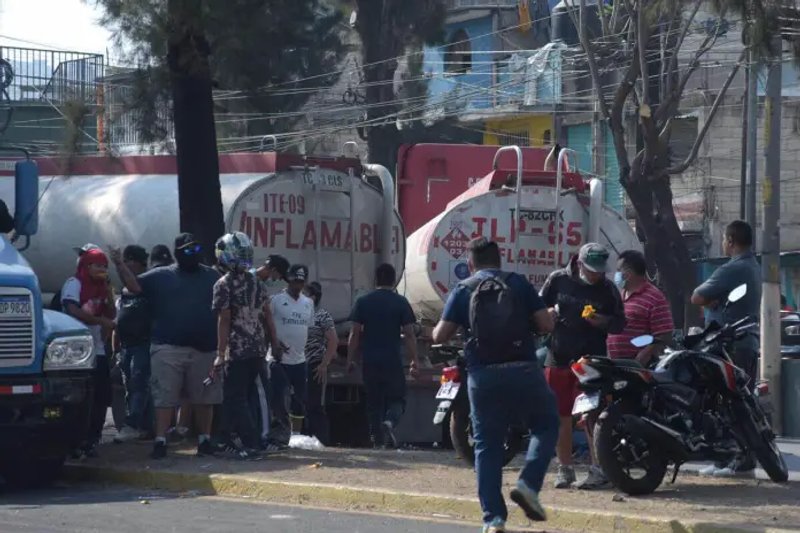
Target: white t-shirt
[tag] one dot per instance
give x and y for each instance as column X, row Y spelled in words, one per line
column 71, row 292
column 292, row 320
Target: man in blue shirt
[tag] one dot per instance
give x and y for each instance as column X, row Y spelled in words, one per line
column 379, row 318
column 184, row 338
column 505, row 391
column 742, row 269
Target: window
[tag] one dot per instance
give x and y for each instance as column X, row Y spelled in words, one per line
column 547, row 137
column 458, row 54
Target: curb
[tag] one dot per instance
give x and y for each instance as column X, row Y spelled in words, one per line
column 343, row 497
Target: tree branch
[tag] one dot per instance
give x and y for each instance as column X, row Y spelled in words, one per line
column 673, row 62
column 588, row 47
column 701, row 136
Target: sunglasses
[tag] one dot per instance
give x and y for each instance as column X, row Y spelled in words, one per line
column 192, row 249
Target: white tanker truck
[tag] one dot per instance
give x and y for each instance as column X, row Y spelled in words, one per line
column 320, row 212
column 540, row 219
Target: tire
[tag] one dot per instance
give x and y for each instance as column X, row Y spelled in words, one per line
column 762, row 444
column 34, row 473
column 606, row 440
column 461, row 434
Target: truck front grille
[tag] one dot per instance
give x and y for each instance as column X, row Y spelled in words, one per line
column 17, row 327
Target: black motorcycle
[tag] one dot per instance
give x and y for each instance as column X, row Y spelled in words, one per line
column 694, row 406
column 454, row 407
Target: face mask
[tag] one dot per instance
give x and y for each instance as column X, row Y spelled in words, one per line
column 188, row 263
column 620, row 280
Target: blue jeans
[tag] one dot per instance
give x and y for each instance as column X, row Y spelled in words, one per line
column 385, row 387
column 501, row 395
column 136, row 371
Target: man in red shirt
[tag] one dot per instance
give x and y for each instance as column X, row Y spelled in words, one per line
column 647, row 311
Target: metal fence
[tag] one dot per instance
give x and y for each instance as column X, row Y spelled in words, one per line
column 53, row 76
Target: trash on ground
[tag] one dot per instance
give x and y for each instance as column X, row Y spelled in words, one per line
column 304, row 442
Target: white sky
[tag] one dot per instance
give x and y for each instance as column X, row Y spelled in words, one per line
column 60, row 24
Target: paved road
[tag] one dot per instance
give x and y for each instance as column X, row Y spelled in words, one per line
column 85, row 509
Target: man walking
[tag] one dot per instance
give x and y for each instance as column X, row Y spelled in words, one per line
column 244, row 317
column 184, row 339
column 496, row 309
column 381, row 320
column 741, row 269
column 586, row 307
column 646, row 311
column 293, row 313
column 133, row 337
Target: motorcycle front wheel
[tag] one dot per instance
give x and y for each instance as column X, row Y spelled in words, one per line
column 461, row 434
column 762, row 442
column 623, row 456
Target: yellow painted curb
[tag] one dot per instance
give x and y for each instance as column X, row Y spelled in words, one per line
column 383, row 501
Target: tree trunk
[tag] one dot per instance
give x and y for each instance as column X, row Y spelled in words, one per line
column 651, row 197
column 200, row 199
column 382, row 46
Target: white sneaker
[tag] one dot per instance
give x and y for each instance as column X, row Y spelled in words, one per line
column 127, row 434
column 709, row 470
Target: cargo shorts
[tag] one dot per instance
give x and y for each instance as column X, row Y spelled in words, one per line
column 177, row 374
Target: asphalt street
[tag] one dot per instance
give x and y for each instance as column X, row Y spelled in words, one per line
column 89, row 509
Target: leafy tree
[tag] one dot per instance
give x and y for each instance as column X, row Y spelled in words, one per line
column 633, row 33
column 189, row 48
column 389, row 29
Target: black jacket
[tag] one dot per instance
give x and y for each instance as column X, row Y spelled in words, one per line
column 573, row 337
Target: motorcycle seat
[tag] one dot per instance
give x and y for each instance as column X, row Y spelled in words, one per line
column 627, row 363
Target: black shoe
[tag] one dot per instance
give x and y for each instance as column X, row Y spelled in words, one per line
column 235, row 449
column 159, row 450
column 206, row 448
column 388, row 435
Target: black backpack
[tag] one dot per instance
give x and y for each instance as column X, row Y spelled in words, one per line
column 498, row 321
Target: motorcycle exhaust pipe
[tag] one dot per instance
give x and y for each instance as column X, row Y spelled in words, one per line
column 658, row 436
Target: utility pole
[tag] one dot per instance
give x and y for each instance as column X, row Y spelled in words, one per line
column 745, row 134
column 752, row 137
column 771, row 242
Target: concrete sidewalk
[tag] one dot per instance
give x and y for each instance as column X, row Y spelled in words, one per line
column 436, row 483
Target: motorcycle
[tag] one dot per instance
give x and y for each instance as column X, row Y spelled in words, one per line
column 454, row 407
column 694, row 406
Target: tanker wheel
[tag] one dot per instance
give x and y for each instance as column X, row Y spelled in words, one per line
column 461, row 434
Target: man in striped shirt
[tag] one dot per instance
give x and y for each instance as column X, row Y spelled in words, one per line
column 647, row 311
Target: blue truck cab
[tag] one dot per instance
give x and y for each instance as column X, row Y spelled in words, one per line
column 47, row 358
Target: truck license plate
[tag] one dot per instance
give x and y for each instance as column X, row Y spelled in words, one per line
column 448, row 391
column 15, row 306
column 585, row 403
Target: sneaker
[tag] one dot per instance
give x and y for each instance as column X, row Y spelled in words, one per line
column 708, row 470
column 388, row 435
column 595, row 480
column 498, row 525
column 271, row 447
column 235, row 449
column 528, row 500
column 159, row 450
column 207, row 449
column 127, row 434
column 565, row 477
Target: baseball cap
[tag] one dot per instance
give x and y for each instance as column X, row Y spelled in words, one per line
column 279, row 263
column 136, row 253
column 594, row 257
column 80, row 250
column 161, row 256
column 183, row 240
column 297, row 273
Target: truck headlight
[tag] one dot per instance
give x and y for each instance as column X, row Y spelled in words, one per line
column 70, row 353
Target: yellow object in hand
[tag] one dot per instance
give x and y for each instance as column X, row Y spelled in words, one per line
column 588, row 311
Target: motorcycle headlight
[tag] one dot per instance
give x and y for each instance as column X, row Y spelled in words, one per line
column 70, row 353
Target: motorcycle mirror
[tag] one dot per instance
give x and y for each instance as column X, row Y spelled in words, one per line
column 642, row 341
column 737, row 293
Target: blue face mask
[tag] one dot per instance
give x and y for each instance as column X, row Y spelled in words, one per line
column 620, row 280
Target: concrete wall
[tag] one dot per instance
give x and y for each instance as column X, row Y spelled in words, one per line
column 716, row 172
